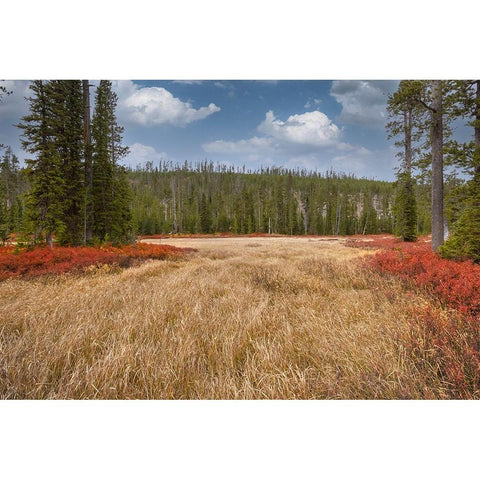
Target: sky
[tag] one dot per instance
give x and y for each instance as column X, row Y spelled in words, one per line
column 317, row 125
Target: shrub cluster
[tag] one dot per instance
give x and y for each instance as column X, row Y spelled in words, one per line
column 456, row 284
column 447, row 342
column 44, row 260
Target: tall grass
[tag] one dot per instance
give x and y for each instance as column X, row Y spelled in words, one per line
column 269, row 318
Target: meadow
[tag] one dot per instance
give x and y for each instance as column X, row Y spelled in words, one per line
column 236, row 318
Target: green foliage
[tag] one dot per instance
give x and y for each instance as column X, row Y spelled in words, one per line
column 405, row 208
column 464, row 206
column 12, row 186
column 58, row 202
column 464, row 241
column 67, row 100
column 205, row 198
column 110, row 195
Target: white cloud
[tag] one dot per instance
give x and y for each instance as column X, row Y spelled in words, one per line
column 301, row 133
column 141, row 154
column 310, row 129
column 149, row 106
column 363, row 102
column 310, row 140
column 251, row 146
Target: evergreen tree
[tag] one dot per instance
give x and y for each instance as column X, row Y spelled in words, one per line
column 405, row 208
column 4, row 218
column 406, row 122
column 205, row 215
column 45, row 200
column 109, row 184
column 464, row 242
column 9, row 190
column 67, row 98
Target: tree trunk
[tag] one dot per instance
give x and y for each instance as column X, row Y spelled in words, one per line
column 407, row 119
column 477, row 132
column 87, row 234
column 437, row 166
column 49, row 239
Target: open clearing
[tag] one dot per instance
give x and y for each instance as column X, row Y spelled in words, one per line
column 242, row 318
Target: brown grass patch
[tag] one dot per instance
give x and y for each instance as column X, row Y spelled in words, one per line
column 290, row 318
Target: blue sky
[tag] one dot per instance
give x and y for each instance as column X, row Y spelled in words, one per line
column 311, row 124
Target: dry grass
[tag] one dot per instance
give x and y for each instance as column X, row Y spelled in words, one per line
column 241, row 319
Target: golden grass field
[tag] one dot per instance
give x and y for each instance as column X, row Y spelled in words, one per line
column 242, row 318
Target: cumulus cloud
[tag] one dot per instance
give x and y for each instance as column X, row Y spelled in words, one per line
column 148, row 106
column 141, row 154
column 301, row 133
column 363, row 102
column 310, row 140
column 310, row 128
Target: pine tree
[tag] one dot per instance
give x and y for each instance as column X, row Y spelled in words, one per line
column 45, row 200
column 406, row 122
column 464, row 242
column 405, row 208
column 67, row 97
column 429, row 95
column 4, row 218
column 9, row 190
column 111, row 213
column 205, row 215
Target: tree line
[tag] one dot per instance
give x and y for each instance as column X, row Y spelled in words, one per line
column 207, row 198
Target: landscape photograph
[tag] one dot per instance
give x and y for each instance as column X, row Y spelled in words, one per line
column 240, row 239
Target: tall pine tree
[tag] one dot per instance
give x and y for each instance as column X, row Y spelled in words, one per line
column 47, row 180
column 464, row 242
column 110, row 190
column 406, row 122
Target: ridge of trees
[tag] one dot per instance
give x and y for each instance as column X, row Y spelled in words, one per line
column 206, row 198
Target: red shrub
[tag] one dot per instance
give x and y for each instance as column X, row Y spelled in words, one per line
column 42, row 260
column 451, row 342
column 456, row 284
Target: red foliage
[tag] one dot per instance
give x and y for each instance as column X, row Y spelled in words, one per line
column 43, row 260
column 450, row 341
column 450, row 345
column 456, row 284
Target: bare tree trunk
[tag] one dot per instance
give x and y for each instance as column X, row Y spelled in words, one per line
column 477, row 130
column 49, row 239
column 437, row 166
column 407, row 119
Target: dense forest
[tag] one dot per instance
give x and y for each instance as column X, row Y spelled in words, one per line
column 207, row 198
